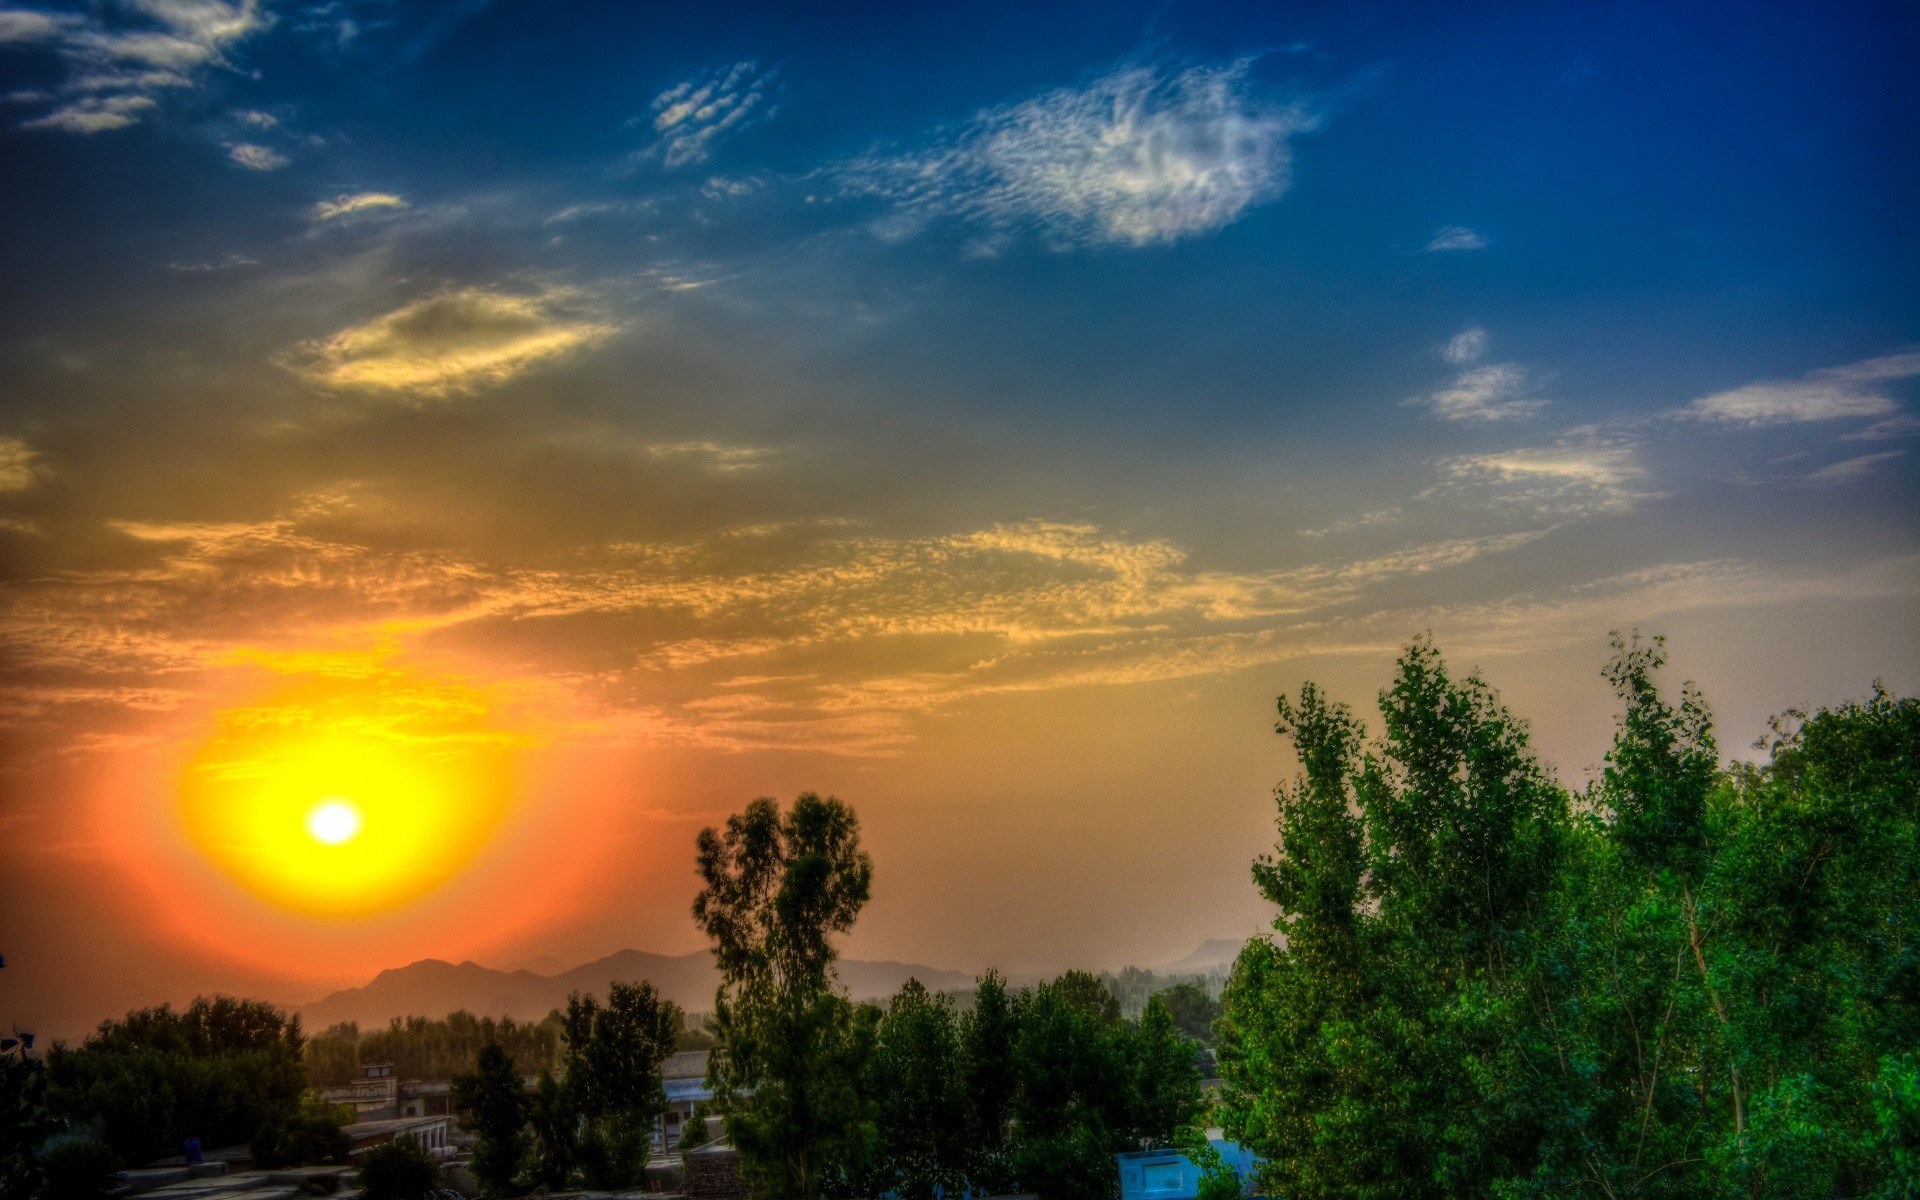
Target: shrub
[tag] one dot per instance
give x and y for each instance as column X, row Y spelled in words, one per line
column 312, row 1135
column 79, row 1165
column 399, row 1170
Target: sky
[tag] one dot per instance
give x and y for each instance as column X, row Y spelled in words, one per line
column 528, row 432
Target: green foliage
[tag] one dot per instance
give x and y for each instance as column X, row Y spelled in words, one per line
column 922, row 1112
column 495, row 1101
column 1193, row 1008
column 25, row 1121
column 990, row 1079
column 556, row 1118
column 1688, row 982
column 424, row 1048
column 693, row 1134
column 79, row 1165
column 791, row 1049
column 401, row 1169
column 1091, row 1085
column 220, row 1071
column 314, row 1134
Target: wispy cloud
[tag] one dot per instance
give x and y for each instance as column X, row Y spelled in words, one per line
column 17, row 469
column 1851, row 469
column 1456, row 237
column 713, row 455
column 121, row 58
column 454, row 342
column 1465, row 347
column 1145, row 154
column 1481, row 391
column 690, row 117
column 347, row 204
column 1854, row 390
column 1577, row 476
column 256, row 158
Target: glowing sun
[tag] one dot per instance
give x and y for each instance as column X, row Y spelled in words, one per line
column 353, row 794
column 333, row 822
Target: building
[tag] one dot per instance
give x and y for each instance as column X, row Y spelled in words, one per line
column 1171, row 1175
column 378, row 1096
column 684, row 1076
column 435, row 1134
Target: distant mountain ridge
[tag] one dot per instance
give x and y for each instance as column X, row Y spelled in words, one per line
column 434, row 988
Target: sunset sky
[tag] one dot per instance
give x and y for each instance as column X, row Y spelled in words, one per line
column 538, row 429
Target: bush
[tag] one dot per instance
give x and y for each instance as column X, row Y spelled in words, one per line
column 613, row 1151
column 399, row 1170
column 77, row 1165
column 312, row 1135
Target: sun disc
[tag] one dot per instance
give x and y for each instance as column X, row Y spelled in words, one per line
column 333, row 822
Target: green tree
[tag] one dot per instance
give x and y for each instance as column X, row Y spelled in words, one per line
column 922, row 1112
column 1165, row 1083
column 613, row 1062
column 791, row 1047
column 494, row 1098
column 221, row 1070
column 1193, row 1009
column 1076, row 1102
column 990, row 1079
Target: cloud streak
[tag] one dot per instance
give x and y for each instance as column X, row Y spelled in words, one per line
column 347, row 204
column 448, row 344
column 1855, row 390
column 1143, row 155
column 117, row 68
column 1481, row 391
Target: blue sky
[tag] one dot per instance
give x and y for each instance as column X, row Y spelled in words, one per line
column 938, row 403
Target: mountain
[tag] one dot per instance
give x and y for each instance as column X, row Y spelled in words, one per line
column 434, row 988
column 1214, row 952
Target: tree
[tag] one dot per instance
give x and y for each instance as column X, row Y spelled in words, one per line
column 221, row 1071
column 495, row 1100
column 922, row 1114
column 990, row 1079
column 1165, row 1078
column 613, row 1063
column 790, row 1050
column 1193, row 1009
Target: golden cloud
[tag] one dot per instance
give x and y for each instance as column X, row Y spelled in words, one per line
column 454, row 342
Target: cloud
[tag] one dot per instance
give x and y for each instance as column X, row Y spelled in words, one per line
column 1575, row 477
column 691, row 116
column 256, row 158
column 1467, row 346
column 1456, row 237
column 348, row 204
column 1142, row 155
column 1899, row 425
column 120, row 58
column 713, row 455
column 1824, row 395
column 1492, row 392
column 93, row 114
column 1851, row 469
column 17, row 470
column 25, row 26
column 454, row 342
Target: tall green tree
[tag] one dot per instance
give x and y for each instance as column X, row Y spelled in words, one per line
column 495, row 1100
column 989, row 1083
column 791, row 1048
column 613, row 1083
column 921, row 1112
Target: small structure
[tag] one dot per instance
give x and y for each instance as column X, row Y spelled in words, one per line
column 1171, row 1175
column 684, row 1077
column 435, row 1134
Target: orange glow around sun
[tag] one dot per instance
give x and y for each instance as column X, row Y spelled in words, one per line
column 353, row 793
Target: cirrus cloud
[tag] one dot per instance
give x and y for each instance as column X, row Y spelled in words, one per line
column 1142, row 155
column 347, row 204
column 1851, row 391
column 453, row 342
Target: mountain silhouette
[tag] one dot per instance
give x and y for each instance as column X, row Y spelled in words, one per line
column 433, row 988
